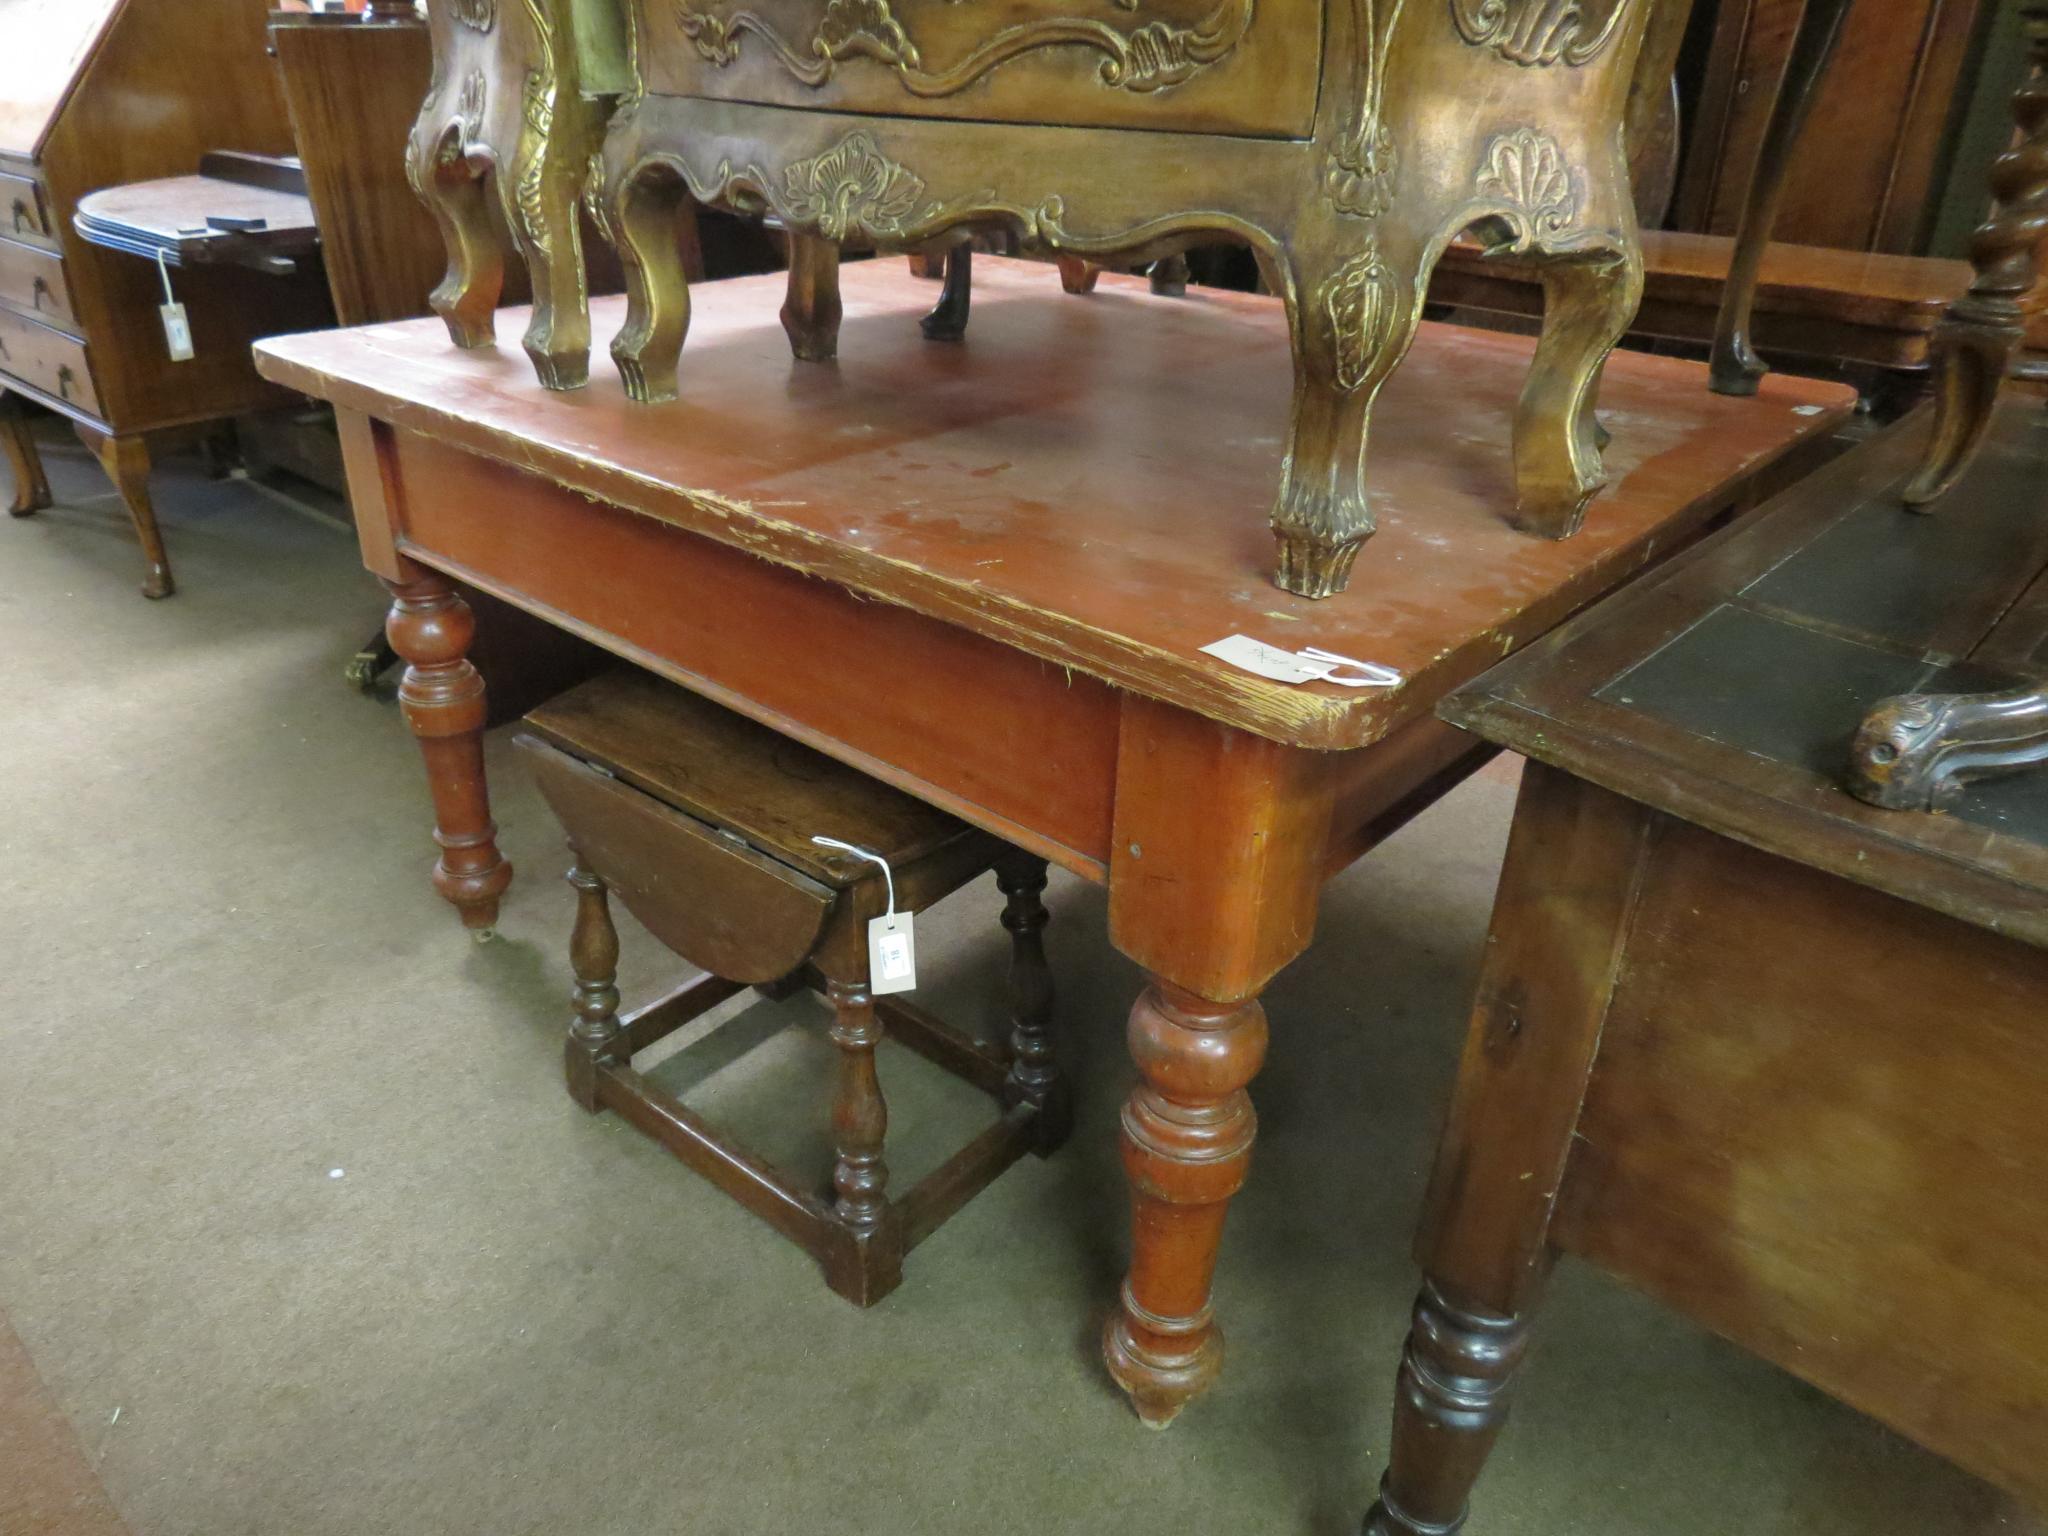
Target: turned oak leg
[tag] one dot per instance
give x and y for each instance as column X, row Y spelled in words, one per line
column 126, row 461
column 811, row 312
column 558, row 336
column 1077, row 275
column 31, row 489
column 1034, row 1069
column 647, row 217
column 1733, row 367
column 594, row 955
column 453, row 190
column 872, row 1265
column 948, row 319
column 1352, row 321
column 1974, row 344
column 442, row 696
column 1450, row 1400
column 1187, row 1142
column 1587, row 305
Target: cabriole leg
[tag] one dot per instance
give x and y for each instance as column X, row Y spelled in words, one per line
column 647, row 215
column 31, row 489
column 948, row 319
column 1034, row 1069
column 1587, row 305
column 1352, row 321
column 1187, row 1140
column 811, row 312
column 1449, row 1403
column 442, row 697
column 594, row 955
column 453, row 190
column 558, row 336
column 126, row 461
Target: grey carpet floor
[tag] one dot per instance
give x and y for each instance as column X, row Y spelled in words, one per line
column 304, row 1239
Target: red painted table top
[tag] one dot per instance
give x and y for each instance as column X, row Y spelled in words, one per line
column 1088, row 478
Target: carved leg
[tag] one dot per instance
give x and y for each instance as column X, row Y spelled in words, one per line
column 929, row 265
column 1187, row 1142
column 1169, row 275
column 1352, row 325
column 647, row 215
column 1078, row 276
column 31, row 489
column 442, row 697
column 1917, row 751
column 1449, row 1403
column 558, row 336
column 452, row 187
column 126, row 461
column 948, row 320
column 1587, row 305
column 1034, row 1069
column 594, row 954
column 1733, row 367
column 810, row 315
column 1974, row 344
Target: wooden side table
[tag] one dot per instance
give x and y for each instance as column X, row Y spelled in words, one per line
column 1770, row 1054
column 985, row 573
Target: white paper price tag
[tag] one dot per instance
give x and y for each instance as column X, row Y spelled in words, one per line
column 892, row 954
column 177, row 332
column 1308, row 665
column 892, row 942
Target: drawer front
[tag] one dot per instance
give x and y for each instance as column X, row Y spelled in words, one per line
column 25, row 209
column 46, row 359
column 32, row 279
column 1184, row 66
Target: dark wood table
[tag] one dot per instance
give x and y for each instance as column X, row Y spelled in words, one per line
column 984, row 573
column 1775, row 1056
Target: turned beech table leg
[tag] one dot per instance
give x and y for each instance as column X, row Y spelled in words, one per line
column 1216, row 865
column 442, row 696
column 1187, row 1143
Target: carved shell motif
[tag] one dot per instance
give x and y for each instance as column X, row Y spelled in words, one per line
column 1360, row 304
column 864, row 29
column 480, row 14
column 1526, row 182
column 851, row 187
column 1359, row 177
column 1535, row 32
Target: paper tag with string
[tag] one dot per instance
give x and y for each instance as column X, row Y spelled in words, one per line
column 892, row 941
column 177, row 328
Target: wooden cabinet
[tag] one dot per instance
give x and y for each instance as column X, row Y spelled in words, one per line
column 97, row 93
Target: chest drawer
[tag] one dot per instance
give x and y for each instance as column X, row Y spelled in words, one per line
column 1184, row 66
column 25, row 209
column 46, row 359
column 32, row 279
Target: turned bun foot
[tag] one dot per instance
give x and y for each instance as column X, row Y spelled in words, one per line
column 1165, row 1371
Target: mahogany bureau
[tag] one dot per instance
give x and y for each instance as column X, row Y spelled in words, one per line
column 986, row 575
column 95, row 93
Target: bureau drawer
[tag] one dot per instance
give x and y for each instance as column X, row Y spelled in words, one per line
column 46, row 359
column 25, row 209
column 1183, row 66
column 32, row 279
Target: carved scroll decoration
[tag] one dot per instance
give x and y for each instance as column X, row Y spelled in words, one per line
column 1535, row 32
column 853, row 187
column 481, row 15
column 469, row 112
column 1361, row 166
column 529, row 156
column 1361, row 303
column 1526, row 183
column 1150, row 58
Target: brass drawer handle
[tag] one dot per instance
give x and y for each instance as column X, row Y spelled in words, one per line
column 65, row 379
column 41, row 290
column 21, row 214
